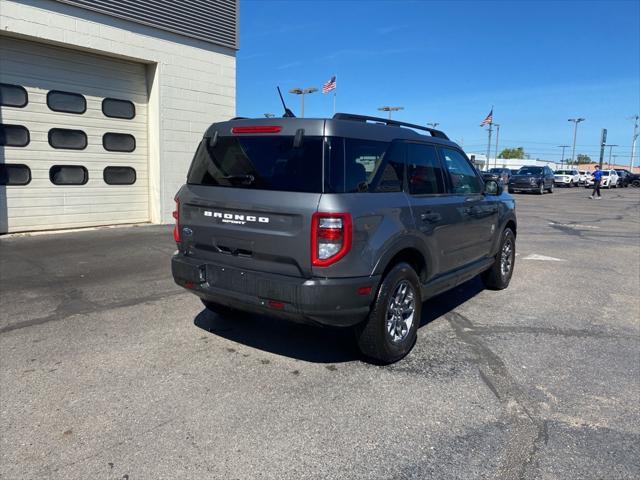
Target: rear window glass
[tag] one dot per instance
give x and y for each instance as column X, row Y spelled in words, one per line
column 259, row 162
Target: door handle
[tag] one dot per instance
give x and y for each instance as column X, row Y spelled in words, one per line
column 430, row 217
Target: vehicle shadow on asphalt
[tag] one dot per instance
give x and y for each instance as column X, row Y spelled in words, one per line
column 316, row 344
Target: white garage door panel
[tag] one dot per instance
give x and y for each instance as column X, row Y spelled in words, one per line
column 41, row 205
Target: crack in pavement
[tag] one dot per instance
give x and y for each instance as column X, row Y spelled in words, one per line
column 73, row 303
column 563, row 332
column 529, row 430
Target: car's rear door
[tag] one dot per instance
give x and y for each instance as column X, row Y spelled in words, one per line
column 479, row 212
column 437, row 214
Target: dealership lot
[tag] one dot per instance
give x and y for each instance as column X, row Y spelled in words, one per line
column 109, row 370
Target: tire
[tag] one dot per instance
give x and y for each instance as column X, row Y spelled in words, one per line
column 551, row 188
column 541, row 190
column 571, row 185
column 374, row 338
column 496, row 278
column 218, row 309
column 635, row 183
column 511, row 190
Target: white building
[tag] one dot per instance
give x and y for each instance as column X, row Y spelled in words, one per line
column 513, row 163
column 102, row 105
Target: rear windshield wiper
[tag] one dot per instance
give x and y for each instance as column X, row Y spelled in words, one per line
column 247, row 179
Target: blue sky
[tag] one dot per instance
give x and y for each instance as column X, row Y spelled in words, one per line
column 539, row 63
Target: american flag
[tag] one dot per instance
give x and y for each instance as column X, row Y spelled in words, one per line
column 488, row 120
column 329, row 85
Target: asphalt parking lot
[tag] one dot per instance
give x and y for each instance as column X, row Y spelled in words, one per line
column 110, row 371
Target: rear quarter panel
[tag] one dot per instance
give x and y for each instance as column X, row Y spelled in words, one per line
column 381, row 221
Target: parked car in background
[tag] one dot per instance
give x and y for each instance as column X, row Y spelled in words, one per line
column 486, row 176
column 624, row 179
column 584, row 176
column 513, row 171
column 609, row 179
column 567, row 178
column 634, row 180
column 532, row 179
column 503, row 174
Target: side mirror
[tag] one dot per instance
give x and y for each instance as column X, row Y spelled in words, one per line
column 492, row 187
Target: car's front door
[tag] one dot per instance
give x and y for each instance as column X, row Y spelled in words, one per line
column 479, row 211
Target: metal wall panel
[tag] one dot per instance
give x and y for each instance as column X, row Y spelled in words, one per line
column 214, row 21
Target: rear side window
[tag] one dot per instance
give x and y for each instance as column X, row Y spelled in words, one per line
column 14, row 174
column 13, row 95
column 259, row 162
column 461, row 174
column 424, row 173
column 353, row 164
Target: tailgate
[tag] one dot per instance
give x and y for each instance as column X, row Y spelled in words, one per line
column 258, row 230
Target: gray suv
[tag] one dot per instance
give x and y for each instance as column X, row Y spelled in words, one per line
column 351, row 221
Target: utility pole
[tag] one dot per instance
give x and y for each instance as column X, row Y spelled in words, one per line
column 610, row 149
column 495, row 164
column 302, row 92
column 576, row 121
column 386, row 108
column 603, row 143
column 563, row 147
column 634, row 139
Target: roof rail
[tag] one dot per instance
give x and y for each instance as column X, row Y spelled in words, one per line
column 386, row 121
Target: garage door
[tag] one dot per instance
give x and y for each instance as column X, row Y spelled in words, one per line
column 73, row 139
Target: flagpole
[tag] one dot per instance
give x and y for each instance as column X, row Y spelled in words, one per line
column 335, row 93
column 489, row 146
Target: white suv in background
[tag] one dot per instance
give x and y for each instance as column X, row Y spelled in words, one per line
column 566, row 178
column 584, row 176
column 609, row 179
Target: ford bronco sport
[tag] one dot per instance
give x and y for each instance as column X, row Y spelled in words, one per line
column 351, row 221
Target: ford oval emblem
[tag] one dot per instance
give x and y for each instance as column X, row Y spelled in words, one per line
column 187, row 231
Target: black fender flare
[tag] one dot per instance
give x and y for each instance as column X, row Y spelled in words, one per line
column 397, row 245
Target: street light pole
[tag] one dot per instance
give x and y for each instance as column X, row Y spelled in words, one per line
column 634, row 140
column 386, row 108
column 562, row 160
column 497, row 125
column 302, row 92
column 576, row 121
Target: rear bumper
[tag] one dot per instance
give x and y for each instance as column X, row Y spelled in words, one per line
column 325, row 301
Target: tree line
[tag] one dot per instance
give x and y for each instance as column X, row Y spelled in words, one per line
column 519, row 152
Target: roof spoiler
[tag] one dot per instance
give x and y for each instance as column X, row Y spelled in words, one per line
column 386, row 121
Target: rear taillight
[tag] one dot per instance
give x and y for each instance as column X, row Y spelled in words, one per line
column 176, row 228
column 330, row 237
